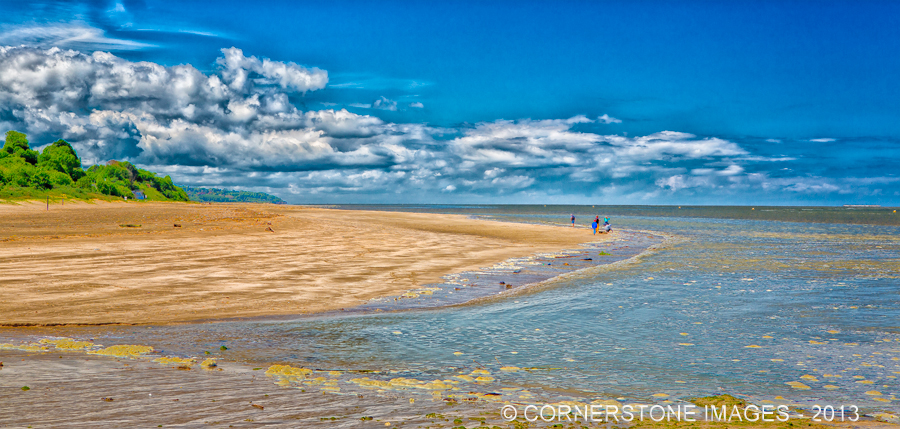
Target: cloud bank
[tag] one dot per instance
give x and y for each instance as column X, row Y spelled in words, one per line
column 239, row 126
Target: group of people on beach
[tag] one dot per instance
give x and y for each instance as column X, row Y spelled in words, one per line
column 596, row 224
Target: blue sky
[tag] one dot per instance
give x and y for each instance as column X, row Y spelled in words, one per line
column 536, row 102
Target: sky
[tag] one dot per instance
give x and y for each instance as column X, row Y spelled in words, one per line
column 629, row 102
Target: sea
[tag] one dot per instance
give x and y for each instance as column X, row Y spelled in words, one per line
column 773, row 305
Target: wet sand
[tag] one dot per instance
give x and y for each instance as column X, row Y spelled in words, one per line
column 127, row 263
column 70, row 389
column 70, row 392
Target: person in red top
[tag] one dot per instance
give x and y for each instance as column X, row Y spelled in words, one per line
column 573, row 221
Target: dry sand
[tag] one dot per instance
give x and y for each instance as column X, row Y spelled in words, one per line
column 78, row 264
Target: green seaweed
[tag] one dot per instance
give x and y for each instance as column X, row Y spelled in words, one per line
column 718, row 401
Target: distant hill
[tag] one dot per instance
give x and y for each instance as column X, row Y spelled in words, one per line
column 215, row 195
column 56, row 172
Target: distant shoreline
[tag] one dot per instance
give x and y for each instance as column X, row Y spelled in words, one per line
column 885, row 216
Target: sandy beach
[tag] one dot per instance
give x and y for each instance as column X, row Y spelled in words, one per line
column 128, row 263
column 672, row 313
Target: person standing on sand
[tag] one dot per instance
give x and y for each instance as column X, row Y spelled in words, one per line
column 597, row 219
column 573, row 220
column 594, row 225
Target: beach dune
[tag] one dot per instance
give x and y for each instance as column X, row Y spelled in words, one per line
column 107, row 263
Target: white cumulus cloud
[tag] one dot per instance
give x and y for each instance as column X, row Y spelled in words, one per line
column 385, row 104
column 606, row 119
column 238, row 70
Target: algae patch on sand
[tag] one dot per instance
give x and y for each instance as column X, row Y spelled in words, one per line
column 171, row 360
column 123, row 350
column 285, row 374
column 718, row 401
column 68, row 344
column 403, row 383
column 798, row 385
column 33, row 347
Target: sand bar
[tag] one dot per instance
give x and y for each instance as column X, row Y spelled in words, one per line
column 81, row 263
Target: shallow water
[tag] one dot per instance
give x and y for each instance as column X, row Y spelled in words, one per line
column 734, row 306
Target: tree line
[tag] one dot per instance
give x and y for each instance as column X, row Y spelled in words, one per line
column 215, row 195
column 57, row 167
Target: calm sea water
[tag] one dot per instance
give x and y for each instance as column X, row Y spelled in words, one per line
column 743, row 305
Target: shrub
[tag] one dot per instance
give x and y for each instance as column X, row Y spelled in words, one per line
column 58, row 178
column 40, row 179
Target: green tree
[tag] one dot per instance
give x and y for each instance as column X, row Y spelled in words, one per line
column 61, row 157
column 17, row 144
